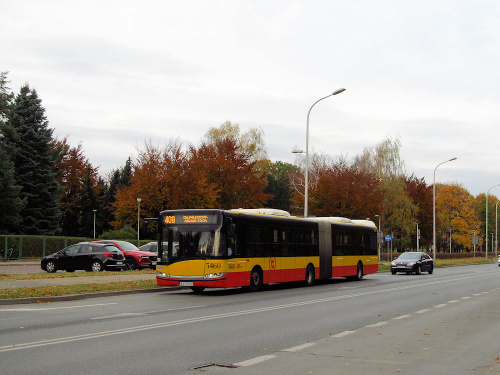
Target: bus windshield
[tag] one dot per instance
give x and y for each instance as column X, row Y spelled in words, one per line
column 193, row 242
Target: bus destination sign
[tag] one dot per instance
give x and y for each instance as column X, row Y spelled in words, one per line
column 186, row 219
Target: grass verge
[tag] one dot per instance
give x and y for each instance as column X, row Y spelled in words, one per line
column 62, row 290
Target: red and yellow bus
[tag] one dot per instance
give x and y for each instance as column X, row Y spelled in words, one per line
column 211, row 248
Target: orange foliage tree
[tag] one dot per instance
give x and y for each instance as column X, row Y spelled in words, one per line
column 164, row 179
column 344, row 190
column 74, row 174
column 421, row 195
column 455, row 208
column 239, row 184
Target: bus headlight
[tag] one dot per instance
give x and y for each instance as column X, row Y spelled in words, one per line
column 162, row 274
column 217, row 275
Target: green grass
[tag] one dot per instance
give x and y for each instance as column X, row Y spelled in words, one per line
column 63, row 290
column 63, row 274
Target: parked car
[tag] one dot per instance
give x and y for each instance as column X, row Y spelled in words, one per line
column 499, row 261
column 85, row 256
column 134, row 258
column 413, row 261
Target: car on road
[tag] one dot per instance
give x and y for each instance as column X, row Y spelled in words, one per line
column 134, row 258
column 413, row 261
column 85, row 256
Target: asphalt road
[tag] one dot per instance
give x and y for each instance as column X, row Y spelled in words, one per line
column 446, row 323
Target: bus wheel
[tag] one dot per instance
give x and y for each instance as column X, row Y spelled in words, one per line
column 359, row 273
column 197, row 289
column 309, row 275
column 255, row 280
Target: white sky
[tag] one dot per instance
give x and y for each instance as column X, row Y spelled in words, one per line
column 112, row 74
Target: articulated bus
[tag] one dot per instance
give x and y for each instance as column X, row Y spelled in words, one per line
column 209, row 248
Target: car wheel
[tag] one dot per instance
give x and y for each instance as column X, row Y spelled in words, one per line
column 130, row 264
column 393, row 272
column 256, row 282
column 51, row 266
column 431, row 270
column 309, row 276
column 96, row 266
column 419, row 270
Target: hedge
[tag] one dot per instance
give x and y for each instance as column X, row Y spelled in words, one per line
column 24, row 246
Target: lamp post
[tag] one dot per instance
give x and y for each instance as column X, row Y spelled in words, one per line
column 487, row 193
column 378, row 237
column 306, row 195
column 496, row 230
column 418, row 235
column 94, row 222
column 450, row 239
column 434, row 209
column 138, row 217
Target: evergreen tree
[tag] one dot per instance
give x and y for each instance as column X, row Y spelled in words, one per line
column 10, row 202
column 278, row 185
column 28, row 139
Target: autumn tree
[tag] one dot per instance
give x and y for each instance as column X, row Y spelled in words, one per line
column 399, row 212
column 167, row 178
column 346, row 191
column 455, row 208
column 421, row 195
column 480, row 207
column 233, row 165
column 78, row 183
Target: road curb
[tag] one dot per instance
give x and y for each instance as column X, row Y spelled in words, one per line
column 76, row 297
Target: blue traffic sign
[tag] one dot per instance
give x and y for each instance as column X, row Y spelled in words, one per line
column 387, row 238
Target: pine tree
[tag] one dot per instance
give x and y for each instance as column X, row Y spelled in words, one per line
column 28, row 137
column 10, row 202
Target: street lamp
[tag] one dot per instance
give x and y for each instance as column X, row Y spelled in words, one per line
column 450, row 239
column 487, row 193
column 378, row 237
column 496, row 230
column 138, row 217
column 418, row 247
column 94, row 222
column 306, row 195
column 434, row 208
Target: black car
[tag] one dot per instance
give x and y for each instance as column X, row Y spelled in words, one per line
column 85, row 256
column 413, row 261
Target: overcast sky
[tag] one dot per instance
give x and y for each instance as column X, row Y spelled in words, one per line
column 112, row 74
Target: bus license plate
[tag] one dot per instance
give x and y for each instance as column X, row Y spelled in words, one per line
column 185, row 283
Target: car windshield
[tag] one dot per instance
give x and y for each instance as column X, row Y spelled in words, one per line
column 127, row 246
column 191, row 242
column 412, row 256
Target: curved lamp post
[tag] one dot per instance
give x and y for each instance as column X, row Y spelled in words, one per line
column 487, row 193
column 306, row 194
column 138, row 219
column 434, row 209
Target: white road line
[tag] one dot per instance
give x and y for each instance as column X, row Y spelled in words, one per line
column 422, row 311
column 254, row 361
column 379, row 324
column 401, row 317
column 441, row 305
column 298, row 348
column 343, row 334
